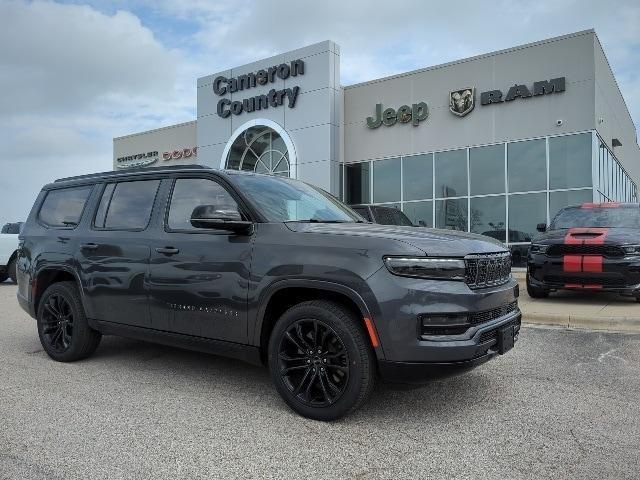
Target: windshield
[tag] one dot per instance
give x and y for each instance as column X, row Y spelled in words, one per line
column 620, row 217
column 285, row 200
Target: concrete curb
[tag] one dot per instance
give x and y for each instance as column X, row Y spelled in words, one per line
column 608, row 324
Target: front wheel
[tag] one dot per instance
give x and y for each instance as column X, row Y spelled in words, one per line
column 535, row 292
column 62, row 325
column 321, row 361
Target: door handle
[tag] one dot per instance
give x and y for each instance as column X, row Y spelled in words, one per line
column 168, row 250
column 89, row 246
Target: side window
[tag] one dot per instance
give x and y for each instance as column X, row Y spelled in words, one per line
column 126, row 205
column 188, row 193
column 63, row 207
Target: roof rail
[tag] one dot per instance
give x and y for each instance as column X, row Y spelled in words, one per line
column 128, row 171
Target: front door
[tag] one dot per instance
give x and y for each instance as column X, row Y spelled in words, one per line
column 198, row 277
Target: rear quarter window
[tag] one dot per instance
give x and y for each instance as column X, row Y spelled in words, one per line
column 63, row 207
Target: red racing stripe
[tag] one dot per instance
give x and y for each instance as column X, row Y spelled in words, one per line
column 592, row 263
column 572, row 263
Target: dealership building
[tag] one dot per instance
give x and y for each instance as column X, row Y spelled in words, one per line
column 492, row 144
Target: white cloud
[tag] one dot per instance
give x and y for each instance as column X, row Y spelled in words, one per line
column 71, row 79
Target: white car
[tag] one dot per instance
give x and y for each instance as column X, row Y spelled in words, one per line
column 9, row 250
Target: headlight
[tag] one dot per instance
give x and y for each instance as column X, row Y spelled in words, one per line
column 425, row 267
column 631, row 249
column 536, row 248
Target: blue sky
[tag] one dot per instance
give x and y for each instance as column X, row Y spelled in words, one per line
column 77, row 74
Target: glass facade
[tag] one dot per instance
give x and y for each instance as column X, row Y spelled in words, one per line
column 613, row 183
column 502, row 190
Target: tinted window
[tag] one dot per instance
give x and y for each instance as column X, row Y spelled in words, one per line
column 417, row 177
column 451, row 174
column 130, row 206
column 386, row 180
column 527, row 166
column 63, row 208
column 189, row 193
column 104, row 204
column 285, row 200
column 486, row 165
column 606, row 216
column 12, row 228
column 570, row 161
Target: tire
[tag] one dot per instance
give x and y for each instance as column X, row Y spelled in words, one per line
column 62, row 325
column 12, row 271
column 535, row 292
column 3, row 276
column 333, row 382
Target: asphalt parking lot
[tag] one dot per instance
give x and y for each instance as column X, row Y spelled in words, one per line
column 562, row 404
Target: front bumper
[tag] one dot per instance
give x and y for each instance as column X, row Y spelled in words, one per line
column 403, row 301
column 483, row 347
column 620, row 275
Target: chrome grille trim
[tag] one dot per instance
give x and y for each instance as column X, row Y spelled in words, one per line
column 487, row 269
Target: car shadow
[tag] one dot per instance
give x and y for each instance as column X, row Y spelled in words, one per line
column 172, row 367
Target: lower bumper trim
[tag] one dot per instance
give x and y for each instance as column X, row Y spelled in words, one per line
column 421, row 372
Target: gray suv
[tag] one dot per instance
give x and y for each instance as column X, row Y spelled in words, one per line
column 266, row 270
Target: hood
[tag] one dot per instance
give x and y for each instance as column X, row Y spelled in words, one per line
column 431, row 241
column 607, row 236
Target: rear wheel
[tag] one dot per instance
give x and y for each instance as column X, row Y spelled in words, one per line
column 62, row 325
column 535, row 292
column 321, row 361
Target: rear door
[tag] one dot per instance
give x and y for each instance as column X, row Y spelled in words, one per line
column 113, row 254
column 199, row 277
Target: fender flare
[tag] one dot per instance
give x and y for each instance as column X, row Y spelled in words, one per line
column 325, row 285
column 64, row 268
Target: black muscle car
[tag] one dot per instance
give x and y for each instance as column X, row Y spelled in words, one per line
column 591, row 247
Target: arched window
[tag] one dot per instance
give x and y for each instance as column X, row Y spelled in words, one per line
column 259, row 149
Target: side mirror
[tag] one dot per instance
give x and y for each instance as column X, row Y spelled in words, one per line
column 216, row 218
column 541, row 227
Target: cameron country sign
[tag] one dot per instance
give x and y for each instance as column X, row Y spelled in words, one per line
column 273, row 98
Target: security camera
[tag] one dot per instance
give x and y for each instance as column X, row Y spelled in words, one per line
column 558, row 122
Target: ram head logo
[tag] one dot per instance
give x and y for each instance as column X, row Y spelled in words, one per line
column 462, row 102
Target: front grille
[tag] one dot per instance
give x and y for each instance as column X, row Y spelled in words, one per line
column 605, row 250
column 488, row 315
column 605, row 281
column 487, row 270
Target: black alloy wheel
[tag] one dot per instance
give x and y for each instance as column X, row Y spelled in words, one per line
column 63, row 329
column 57, row 323
column 321, row 359
column 314, row 363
